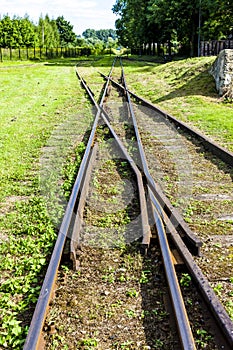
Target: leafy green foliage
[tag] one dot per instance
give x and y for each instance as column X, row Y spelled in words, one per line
column 102, row 34
column 11, row 333
column 172, row 21
column 204, row 338
column 132, row 293
column 92, row 342
column 27, row 249
column 185, row 280
column 48, row 33
column 103, row 40
column 65, row 29
column 145, row 277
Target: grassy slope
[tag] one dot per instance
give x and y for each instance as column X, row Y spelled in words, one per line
column 186, row 90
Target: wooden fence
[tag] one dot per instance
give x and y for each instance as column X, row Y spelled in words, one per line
column 212, row 48
column 20, row 53
column 207, row 48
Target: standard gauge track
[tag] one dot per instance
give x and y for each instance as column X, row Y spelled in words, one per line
column 100, row 240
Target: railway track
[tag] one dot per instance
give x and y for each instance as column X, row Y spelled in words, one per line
column 118, row 208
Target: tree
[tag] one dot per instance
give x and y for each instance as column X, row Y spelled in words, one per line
column 1, row 34
column 162, row 21
column 105, row 34
column 176, row 18
column 65, row 29
column 133, row 27
column 47, row 33
column 99, row 40
column 89, row 33
column 219, row 22
column 9, row 32
column 102, row 34
column 27, row 32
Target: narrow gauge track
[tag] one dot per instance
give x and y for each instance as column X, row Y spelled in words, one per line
column 156, row 210
column 197, row 182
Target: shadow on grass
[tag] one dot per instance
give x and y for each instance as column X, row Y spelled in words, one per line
column 95, row 61
column 200, row 84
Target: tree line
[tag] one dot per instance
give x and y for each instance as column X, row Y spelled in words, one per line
column 100, row 40
column 176, row 23
column 18, row 32
column 49, row 33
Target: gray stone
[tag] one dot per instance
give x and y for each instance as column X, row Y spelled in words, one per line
column 222, row 71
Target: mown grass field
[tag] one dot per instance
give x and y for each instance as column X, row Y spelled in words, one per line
column 39, row 103
column 43, row 117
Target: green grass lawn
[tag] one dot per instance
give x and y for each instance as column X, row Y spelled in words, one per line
column 43, row 116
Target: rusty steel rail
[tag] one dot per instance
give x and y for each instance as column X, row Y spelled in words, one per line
column 146, row 236
column 73, row 241
column 217, row 309
column 191, row 240
column 73, row 213
column 225, row 324
column 182, row 321
column 160, row 216
column 34, row 338
column 209, row 144
column 183, row 324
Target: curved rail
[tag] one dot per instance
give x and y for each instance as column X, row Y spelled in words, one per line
column 161, row 219
column 210, row 297
column 34, row 340
column 209, row 144
column 192, row 241
column 176, row 297
column 183, row 324
column 142, row 197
